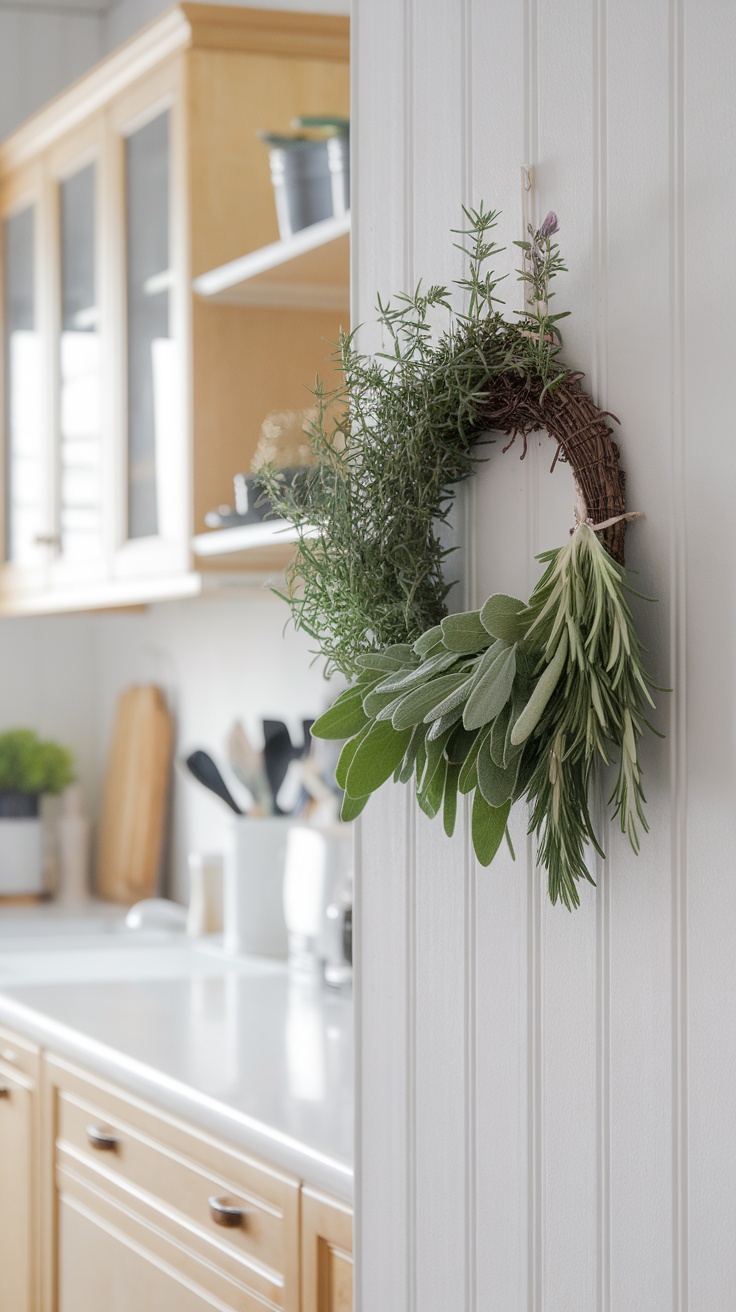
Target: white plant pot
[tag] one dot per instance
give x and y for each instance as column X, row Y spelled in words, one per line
column 253, row 903
column 21, row 857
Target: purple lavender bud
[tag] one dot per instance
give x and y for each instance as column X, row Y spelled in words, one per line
column 550, row 225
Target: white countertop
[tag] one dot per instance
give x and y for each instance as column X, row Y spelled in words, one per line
column 230, row 1044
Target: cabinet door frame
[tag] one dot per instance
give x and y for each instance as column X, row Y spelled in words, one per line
column 161, row 91
column 21, row 1085
column 327, row 1232
column 84, row 146
column 27, row 188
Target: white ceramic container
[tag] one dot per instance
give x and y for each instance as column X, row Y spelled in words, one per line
column 318, row 861
column 21, row 857
column 253, row 902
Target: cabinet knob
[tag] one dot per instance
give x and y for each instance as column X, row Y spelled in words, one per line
column 4, row 1091
column 226, row 1214
column 103, row 1140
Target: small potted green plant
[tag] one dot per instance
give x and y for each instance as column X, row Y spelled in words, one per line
column 28, row 769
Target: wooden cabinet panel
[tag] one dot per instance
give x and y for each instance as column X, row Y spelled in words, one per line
column 168, row 125
column 103, row 1265
column 153, row 1177
column 327, row 1254
column 18, row 1192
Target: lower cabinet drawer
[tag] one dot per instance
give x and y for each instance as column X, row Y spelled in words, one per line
column 124, row 1166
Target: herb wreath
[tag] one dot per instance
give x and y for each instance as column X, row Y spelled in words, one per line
column 515, row 700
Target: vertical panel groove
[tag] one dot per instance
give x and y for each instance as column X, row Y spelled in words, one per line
column 678, row 738
column 411, row 1042
column 602, row 870
column 535, row 1191
column 411, row 871
column 469, row 868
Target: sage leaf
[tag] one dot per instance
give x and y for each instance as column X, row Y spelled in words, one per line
column 449, row 803
column 428, row 640
column 488, row 826
column 402, row 681
column 344, row 718
column 376, row 702
column 376, row 758
column 453, row 700
column 492, row 691
column 393, row 658
column 503, row 617
column 469, row 769
column 406, row 769
column 460, row 744
column 534, row 709
column 430, row 796
column 435, row 755
column 464, row 633
column 346, row 756
column 437, row 727
column 499, row 733
column 497, row 785
column 352, row 807
column 415, row 704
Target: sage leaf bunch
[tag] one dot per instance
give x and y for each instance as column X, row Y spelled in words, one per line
column 513, row 701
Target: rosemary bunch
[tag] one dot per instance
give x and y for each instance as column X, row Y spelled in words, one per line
column 391, row 443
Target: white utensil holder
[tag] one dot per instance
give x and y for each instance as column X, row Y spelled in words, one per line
column 254, row 887
column 21, row 857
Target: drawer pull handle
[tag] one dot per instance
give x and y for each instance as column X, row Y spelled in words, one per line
column 225, row 1214
column 4, row 1091
column 103, row 1140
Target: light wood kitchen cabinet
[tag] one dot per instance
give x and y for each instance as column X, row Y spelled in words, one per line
column 128, row 400
column 19, row 1177
column 140, row 1202
column 327, row 1254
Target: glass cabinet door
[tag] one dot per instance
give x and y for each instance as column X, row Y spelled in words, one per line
column 79, row 470
column 152, row 391
column 26, row 530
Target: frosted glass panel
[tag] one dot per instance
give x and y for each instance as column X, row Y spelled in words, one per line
column 80, row 408
column 151, row 398
column 24, row 487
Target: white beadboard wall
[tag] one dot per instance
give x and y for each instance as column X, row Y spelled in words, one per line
column 546, row 1105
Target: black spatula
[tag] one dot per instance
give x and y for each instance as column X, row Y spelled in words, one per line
column 206, row 772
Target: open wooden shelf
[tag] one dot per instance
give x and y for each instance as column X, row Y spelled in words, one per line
column 136, row 594
column 311, row 270
column 266, row 546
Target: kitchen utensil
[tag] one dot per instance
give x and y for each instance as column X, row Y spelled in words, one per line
column 206, row 773
column 248, row 766
column 136, row 788
column 278, row 753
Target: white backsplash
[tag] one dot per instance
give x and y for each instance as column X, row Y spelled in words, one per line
column 216, row 659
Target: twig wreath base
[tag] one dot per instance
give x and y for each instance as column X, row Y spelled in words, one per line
column 514, row 700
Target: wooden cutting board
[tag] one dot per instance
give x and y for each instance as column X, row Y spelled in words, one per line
column 136, row 794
